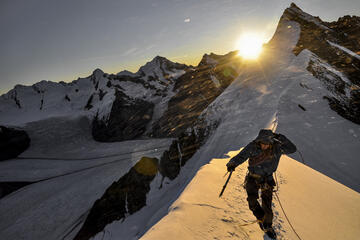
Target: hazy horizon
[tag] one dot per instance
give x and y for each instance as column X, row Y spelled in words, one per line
column 61, row 41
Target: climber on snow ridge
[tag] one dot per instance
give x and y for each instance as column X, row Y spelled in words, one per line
column 264, row 154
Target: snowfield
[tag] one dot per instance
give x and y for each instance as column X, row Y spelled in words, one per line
column 70, row 170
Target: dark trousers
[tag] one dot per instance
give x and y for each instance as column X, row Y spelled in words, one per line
column 263, row 212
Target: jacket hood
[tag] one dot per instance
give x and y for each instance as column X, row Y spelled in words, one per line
column 265, row 136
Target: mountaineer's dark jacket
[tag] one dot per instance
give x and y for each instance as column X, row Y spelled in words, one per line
column 281, row 145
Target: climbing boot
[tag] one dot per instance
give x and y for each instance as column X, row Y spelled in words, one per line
column 270, row 232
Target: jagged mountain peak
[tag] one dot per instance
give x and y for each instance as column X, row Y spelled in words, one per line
column 159, row 67
column 156, row 62
column 160, row 59
column 213, row 59
column 96, row 75
column 294, row 6
column 208, row 59
column 296, row 13
column 98, row 72
column 126, row 73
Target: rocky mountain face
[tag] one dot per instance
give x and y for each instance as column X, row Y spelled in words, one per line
column 336, row 63
column 195, row 91
column 123, row 197
column 127, row 120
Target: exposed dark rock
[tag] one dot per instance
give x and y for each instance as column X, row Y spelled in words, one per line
column 12, row 142
column 88, row 104
column 128, row 119
column 346, row 105
column 315, row 36
column 102, row 94
column 319, row 37
column 350, row 111
column 41, row 102
column 195, row 91
column 139, row 80
column 302, row 108
column 125, row 196
column 9, row 187
column 305, row 86
column 17, row 102
column 180, row 151
column 349, row 29
column 67, row 98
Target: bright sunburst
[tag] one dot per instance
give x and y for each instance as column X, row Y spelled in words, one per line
column 250, row 46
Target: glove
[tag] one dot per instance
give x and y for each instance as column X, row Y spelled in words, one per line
column 276, row 137
column 231, row 166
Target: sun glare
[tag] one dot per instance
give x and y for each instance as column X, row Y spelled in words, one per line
column 249, row 46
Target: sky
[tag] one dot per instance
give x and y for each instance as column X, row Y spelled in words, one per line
column 63, row 40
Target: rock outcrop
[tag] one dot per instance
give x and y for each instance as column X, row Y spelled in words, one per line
column 196, row 89
column 336, row 63
column 12, row 142
column 125, row 196
column 128, row 120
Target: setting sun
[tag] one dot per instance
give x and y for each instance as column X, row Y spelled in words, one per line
column 249, row 46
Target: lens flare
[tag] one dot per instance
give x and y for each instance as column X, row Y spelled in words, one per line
column 249, row 46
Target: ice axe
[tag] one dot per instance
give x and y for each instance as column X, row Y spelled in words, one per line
column 223, row 189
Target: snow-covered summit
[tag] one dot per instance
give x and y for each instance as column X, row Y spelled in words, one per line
column 126, row 73
column 45, row 99
column 97, row 73
column 92, row 96
column 161, row 68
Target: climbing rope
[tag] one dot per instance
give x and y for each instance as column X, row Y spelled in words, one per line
column 277, row 196
column 282, row 209
column 287, row 216
column 302, row 159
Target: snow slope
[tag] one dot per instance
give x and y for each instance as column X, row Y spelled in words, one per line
column 47, row 99
column 62, row 145
column 269, row 93
column 71, row 171
column 317, row 206
column 90, row 96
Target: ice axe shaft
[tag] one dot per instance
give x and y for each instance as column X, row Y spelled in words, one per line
column 223, row 189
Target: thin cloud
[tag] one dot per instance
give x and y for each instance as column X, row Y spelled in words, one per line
column 129, row 52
